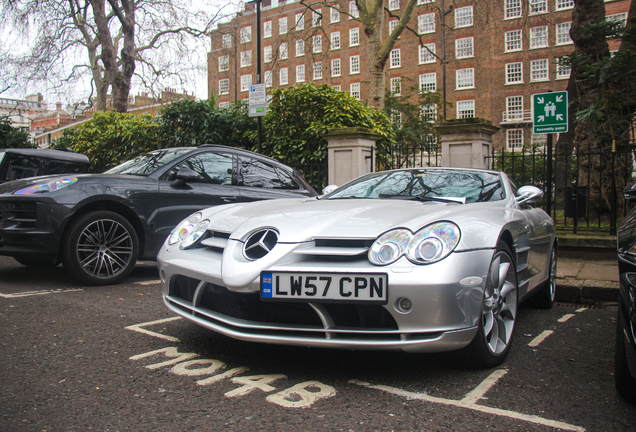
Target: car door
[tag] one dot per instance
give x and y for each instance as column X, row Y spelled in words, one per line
column 259, row 180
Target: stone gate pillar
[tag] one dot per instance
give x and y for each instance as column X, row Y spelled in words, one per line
column 351, row 153
column 466, row 143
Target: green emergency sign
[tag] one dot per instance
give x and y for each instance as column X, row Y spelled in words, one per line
column 550, row 112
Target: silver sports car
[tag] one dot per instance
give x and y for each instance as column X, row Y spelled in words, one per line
column 419, row 260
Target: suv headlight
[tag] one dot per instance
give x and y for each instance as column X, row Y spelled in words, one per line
column 50, row 186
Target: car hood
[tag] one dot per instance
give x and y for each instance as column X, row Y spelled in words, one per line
column 12, row 186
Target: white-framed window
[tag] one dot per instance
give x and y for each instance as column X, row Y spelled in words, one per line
column 317, row 43
column 395, row 58
column 563, row 72
column 617, row 17
column 394, row 4
column 335, row 40
column 335, row 15
column 539, row 37
column 354, row 90
column 464, row 17
column 283, row 51
column 267, row 29
column 396, row 119
column 428, row 82
column 514, row 139
column 224, row 86
column 512, row 9
column 396, row 86
column 539, row 70
column 316, row 18
column 268, row 78
column 354, row 36
column 337, row 88
column 538, row 7
column 299, row 21
column 283, row 78
column 426, row 23
column 392, row 25
column 353, row 10
column 317, row 70
column 267, row 54
column 354, row 65
column 224, row 63
column 514, row 107
column 465, row 109
column 426, row 53
column 246, row 82
column 421, row 2
column 464, row 48
column 226, row 41
column 563, row 33
column 564, row 4
column 246, row 34
column 465, row 78
column 224, row 104
column 514, row 73
column 282, row 25
column 300, row 47
column 300, row 73
column 246, row 58
column 335, row 67
column 428, row 112
column 514, row 41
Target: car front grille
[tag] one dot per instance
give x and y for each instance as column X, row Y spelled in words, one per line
column 18, row 214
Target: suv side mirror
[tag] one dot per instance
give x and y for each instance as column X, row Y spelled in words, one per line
column 184, row 176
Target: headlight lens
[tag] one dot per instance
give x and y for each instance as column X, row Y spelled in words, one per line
column 430, row 244
column 51, row 186
column 195, row 235
column 184, row 228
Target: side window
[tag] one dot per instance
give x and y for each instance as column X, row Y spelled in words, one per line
column 23, row 167
column 255, row 173
column 213, row 168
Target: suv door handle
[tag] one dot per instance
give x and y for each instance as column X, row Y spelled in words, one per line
column 229, row 199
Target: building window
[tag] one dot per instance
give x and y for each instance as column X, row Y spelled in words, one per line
column 514, row 108
column 283, row 51
column 464, row 48
column 353, row 10
column 282, row 25
column 267, row 29
column 283, row 79
column 539, row 70
column 421, row 2
column 396, row 60
column 426, row 23
column 354, row 65
column 224, row 63
column 514, row 139
column 317, row 43
column 563, row 71
column 392, row 25
column 428, row 112
column 512, row 9
column 538, row 7
column 427, row 53
column 514, row 73
column 221, row 105
column 337, row 88
column 464, row 17
column 226, row 41
column 465, row 78
column 246, row 82
column 246, row 58
column 563, row 33
column 300, row 21
column 514, row 41
column 335, row 15
column 224, row 86
column 268, row 78
column 618, row 18
column 267, row 54
column 246, row 34
column 300, row 73
column 539, row 37
column 355, row 90
column 394, row 4
column 428, row 82
column 465, row 109
column 564, row 4
column 317, row 70
column 300, row 47
column 354, row 36
column 316, row 17
column 335, row 67
column 396, row 86
column 335, row 40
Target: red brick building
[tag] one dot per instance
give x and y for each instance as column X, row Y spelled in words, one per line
column 498, row 53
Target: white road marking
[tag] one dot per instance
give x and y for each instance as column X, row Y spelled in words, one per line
column 301, row 391
column 138, row 328
column 565, row 317
column 583, row 309
column 154, row 282
column 543, row 336
column 168, row 352
column 485, row 385
column 36, row 293
column 253, row 382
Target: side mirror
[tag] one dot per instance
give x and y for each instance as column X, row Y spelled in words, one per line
column 184, row 176
column 529, row 194
column 329, row 189
column 630, row 192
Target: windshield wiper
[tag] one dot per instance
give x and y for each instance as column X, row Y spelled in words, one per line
column 421, row 198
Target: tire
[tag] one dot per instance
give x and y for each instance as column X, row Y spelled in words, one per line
column 492, row 342
column 34, row 263
column 544, row 298
column 624, row 381
column 100, row 248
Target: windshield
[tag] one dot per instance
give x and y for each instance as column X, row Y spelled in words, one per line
column 469, row 186
column 150, row 162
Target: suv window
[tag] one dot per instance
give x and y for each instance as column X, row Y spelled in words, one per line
column 255, row 173
column 213, row 168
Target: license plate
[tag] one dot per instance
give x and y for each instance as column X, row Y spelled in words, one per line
column 325, row 287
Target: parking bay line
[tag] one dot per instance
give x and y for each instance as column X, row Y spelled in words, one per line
column 139, row 328
column 41, row 292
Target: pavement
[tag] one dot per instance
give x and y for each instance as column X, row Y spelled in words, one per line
column 587, row 281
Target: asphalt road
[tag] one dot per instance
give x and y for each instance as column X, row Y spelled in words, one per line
column 114, row 359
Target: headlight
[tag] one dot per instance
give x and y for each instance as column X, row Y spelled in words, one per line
column 51, row 186
column 195, row 235
column 184, row 228
column 430, row 244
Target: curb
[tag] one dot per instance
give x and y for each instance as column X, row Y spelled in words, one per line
column 587, row 291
